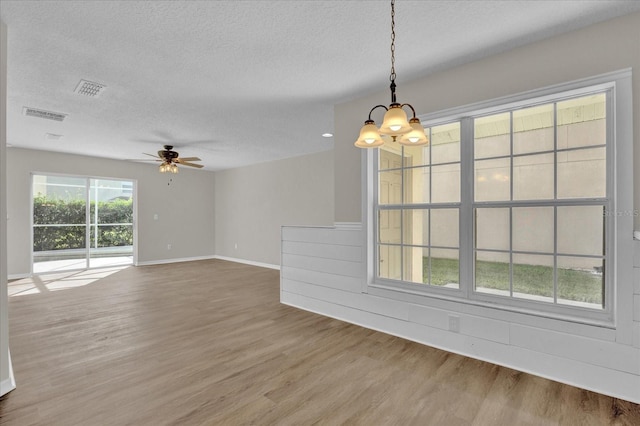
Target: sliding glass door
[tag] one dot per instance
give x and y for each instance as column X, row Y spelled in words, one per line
column 81, row 223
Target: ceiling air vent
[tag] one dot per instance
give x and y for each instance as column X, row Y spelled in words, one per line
column 89, row 88
column 40, row 113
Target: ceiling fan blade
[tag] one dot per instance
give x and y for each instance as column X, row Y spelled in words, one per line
column 181, row 159
column 150, row 155
column 186, row 163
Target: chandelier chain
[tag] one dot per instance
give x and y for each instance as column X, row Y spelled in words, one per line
column 392, row 77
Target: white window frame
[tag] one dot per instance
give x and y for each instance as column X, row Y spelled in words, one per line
column 619, row 224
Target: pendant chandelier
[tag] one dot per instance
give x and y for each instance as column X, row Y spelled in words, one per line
column 395, row 124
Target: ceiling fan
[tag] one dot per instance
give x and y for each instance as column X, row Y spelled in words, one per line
column 170, row 160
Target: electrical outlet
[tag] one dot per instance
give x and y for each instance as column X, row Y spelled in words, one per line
column 454, row 323
column 168, row 246
column 236, row 246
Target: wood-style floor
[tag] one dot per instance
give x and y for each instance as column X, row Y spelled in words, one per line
column 207, row 343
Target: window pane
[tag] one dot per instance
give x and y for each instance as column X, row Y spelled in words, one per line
column 390, row 156
column 492, row 136
column 389, row 226
column 445, row 183
column 444, row 228
column 533, row 229
column 416, row 264
column 445, row 143
column 416, row 227
column 389, row 262
column 390, row 184
column 416, row 155
column 582, row 173
column 492, row 272
column 533, row 277
column 580, row 281
column 59, row 200
column 582, row 121
column 533, row 129
column 111, row 236
column 580, row 230
column 416, row 185
column 492, row 180
column 533, row 177
column 445, row 268
column 492, row 229
column 50, row 238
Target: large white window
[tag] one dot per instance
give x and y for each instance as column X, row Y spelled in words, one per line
column 511, row 204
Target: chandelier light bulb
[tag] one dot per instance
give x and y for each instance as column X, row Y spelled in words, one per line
column 416, row 136
column 369, row 136
column 395, row 121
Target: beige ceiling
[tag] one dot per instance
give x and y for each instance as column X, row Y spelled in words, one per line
column 240, row 82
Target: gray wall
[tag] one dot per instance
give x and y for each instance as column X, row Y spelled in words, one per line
column 253, row 202
column 185, row 207
column 601, row 48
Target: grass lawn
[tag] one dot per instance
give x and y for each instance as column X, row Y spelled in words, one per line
column 575, row 285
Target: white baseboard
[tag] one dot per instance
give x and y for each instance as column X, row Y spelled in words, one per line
column 191, row 259
column 18, row 276
column 165, row 261
column 8, row 384
column 248, row 262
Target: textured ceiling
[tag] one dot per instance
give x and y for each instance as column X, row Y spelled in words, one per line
column 240, row 82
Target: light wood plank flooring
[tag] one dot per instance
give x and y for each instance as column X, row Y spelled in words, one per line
column 207, row 343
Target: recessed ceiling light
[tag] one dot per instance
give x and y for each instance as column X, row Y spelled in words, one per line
column 327, row 135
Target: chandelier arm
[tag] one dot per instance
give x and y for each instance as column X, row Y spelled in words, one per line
column 413, row 110
column 377, row 106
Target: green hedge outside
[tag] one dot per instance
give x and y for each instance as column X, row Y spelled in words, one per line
column 47, row 211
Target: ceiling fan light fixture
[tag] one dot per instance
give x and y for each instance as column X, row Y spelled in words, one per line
column 170, row 159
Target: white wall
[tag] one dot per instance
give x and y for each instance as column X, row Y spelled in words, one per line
column 184, row 205
column 6, row 377
column 253, row 202
column 598, row 49
column 324, row 270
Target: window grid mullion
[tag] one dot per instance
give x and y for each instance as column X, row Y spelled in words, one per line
column 466, row 225
column 511, row 205
column 555, row 207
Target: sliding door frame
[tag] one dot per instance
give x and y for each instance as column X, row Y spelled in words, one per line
column 87, row 223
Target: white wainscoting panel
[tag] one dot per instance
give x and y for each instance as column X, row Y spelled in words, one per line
column 636, row 291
